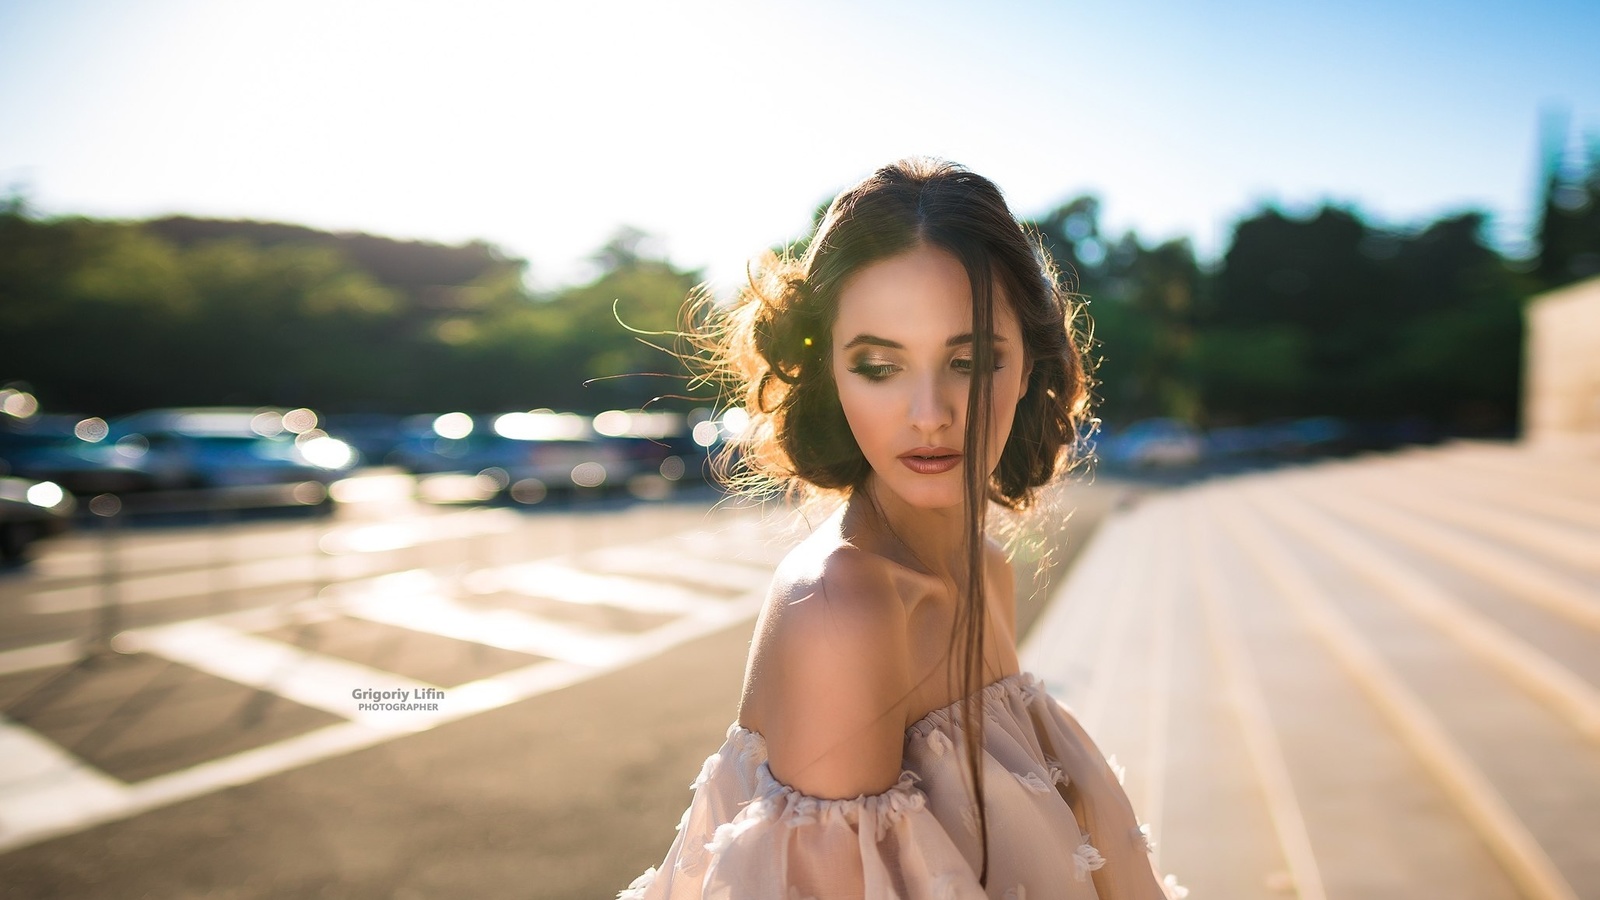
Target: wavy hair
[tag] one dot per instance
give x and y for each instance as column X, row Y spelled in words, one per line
column 769, row 351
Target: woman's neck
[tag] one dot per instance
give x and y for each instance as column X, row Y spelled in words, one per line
column 931, row 540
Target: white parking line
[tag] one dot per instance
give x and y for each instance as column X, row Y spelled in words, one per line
column 508, row 629
column 307, row 678
column 43, row 787
column 560, row 581
column 50, row 793
column 39, row 656
column 657, row 559
column 79, row 557
column 35, row 811
column 349, row 551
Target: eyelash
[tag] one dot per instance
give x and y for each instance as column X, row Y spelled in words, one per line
column 879, row 372
column 871, row 372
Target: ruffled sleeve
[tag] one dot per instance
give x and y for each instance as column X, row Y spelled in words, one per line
column 1060, row 824
column 785, row 845
column 791, row 846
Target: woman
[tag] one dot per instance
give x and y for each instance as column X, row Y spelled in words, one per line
column 887, row 744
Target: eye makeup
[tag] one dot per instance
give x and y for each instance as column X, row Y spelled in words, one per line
column 873, row 370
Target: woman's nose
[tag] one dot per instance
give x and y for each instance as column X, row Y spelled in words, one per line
column 932, row 406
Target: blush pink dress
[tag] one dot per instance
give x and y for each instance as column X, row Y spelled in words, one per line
column 1060, row 824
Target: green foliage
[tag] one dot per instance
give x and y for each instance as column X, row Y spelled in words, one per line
column 109, row 317
column 579, row 349
column 1381, row 324
column 1320, row 315
column 1262, row 371
column 1314, row 315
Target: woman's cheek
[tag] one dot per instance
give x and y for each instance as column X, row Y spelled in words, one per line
column 862, row 414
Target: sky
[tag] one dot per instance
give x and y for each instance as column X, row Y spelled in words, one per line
column 718, row 126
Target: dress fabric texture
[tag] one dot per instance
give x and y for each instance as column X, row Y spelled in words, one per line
column 1060, row 823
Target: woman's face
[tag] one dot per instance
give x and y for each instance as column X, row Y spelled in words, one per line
column 902, row 358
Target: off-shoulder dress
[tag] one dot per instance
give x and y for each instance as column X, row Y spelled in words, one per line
column 1060, row 823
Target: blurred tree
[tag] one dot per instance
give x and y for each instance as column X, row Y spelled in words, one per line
column 1317, row 315
column 84, row 303
column 1141, row 303
column 1312, row 276
column 1457, row 352
column 281, row 323
column 577, row 349
column 1569, row 210
column 1162, row 285
column 1071, row 234
column 108, row 317
column 1336, row 317
column 1250, row 373
column 627, row 247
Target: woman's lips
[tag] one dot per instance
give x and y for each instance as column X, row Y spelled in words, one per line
column 932, row 463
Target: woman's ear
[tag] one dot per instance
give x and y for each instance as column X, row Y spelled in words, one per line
column 1027, row 373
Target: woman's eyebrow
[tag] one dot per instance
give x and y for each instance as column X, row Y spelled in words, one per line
column 876, row 341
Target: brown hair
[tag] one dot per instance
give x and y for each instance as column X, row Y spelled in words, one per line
column 770, row 351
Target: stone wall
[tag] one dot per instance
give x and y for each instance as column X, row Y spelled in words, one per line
column 1561, row 383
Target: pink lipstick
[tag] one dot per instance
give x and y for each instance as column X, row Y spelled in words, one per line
column 931, row 460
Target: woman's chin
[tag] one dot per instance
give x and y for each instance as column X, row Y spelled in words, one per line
column 929, row 492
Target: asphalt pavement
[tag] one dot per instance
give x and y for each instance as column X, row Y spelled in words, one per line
column 188, row 767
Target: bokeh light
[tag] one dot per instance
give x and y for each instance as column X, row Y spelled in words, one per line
column 46, row 494
column 589, row 474
column 299, row 421
column 93, row 429
column 267, row 423
column 454, row 426
column 20, row 404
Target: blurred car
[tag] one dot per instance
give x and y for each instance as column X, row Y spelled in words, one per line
column 1154, row 442
column 657, row 444
column 67, row 451
column 524, row 453
column 30, row 510
column 1282, row 439
column 1324, row 435
column 373, row 435
column 1236, row 442
column 225, row 447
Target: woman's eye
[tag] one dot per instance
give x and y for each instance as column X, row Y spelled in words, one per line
column 964, row 365
column 872, row 371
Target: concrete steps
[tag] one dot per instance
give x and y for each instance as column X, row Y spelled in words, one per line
column 1364, row 679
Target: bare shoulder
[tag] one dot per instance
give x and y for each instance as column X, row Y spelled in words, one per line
column 850, row 581
column 834, row 602
column 829, row 681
